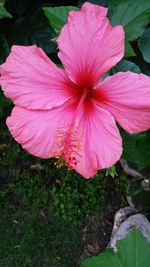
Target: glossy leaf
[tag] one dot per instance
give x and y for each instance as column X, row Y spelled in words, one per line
column 112, row 5
column 132, row 251
column 57, row 16
column 137, row 148
column 128, row 50
column 30, row 30
column 144, row 45
column 3, row 12
column 125, row 65
column 133, row 16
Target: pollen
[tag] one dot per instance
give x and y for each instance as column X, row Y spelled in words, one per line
column 60, row 163
column 67, row 146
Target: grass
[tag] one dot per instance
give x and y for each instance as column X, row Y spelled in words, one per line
column 38, row 182
column 36, row 239
column 42, row 209
column 30, row 234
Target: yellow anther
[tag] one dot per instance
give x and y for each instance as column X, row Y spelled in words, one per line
column 67, row 146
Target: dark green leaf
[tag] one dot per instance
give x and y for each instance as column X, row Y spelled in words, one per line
column 97, row 2
column 20, row 8
column 125, row 65
column 30, row 30
column 3, row 12
column 133, row 16
column 128, row 50
column 1, row 112
column 144, row 45
column 136, row 148
column 112, row 5
column 144, row 66
column 57, row 16
column 4, row 48
column 5, row 105
column 132, row 251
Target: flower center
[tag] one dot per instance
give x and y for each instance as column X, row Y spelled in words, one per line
column 88, row 90
column 68, row 141
column 68, row 146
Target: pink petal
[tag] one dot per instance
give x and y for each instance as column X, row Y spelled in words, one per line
column 33, row 81
column 127, row 97
column 101, row 141
column 36, row 130
column 95, row 140
column 88, row 45
column 94, row 8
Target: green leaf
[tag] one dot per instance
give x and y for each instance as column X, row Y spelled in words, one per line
column 57, row 16
column 132, row 251
column 126, row 65
column 112, row 5
column 128, row 49
column 1, row 112
column 4, row 48
column 5, row 105
column 3, row 12
column 136, row 148
column 133, row 16
column 123, row 66
column 111, row 171
column 144, row 45
column 20, row 8
column 30, row 30
column 96, row 2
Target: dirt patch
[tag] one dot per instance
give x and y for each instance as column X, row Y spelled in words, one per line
column 96, row 233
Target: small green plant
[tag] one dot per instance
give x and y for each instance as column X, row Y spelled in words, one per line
column 31, row 190
column 121, row 183
column 73, row 197
column 38, row 183
column 111, row 171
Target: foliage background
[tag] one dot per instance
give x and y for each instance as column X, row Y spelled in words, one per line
column 43, row 208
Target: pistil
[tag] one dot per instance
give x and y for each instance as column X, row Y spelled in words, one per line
column 68, row 140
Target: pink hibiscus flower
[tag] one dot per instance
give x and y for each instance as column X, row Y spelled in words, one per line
column 70, row 113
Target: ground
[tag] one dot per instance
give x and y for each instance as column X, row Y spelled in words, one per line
column 53, row 217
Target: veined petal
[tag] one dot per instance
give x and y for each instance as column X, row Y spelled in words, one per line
column 88, row 45
column 37, row 130
column 127, row 97
column 92, row 143
column 94, row 8
column 31, row 80
column 101, row 141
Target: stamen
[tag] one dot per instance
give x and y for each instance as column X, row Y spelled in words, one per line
column 68, row 142
column 60, row 163
column 67, row 147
